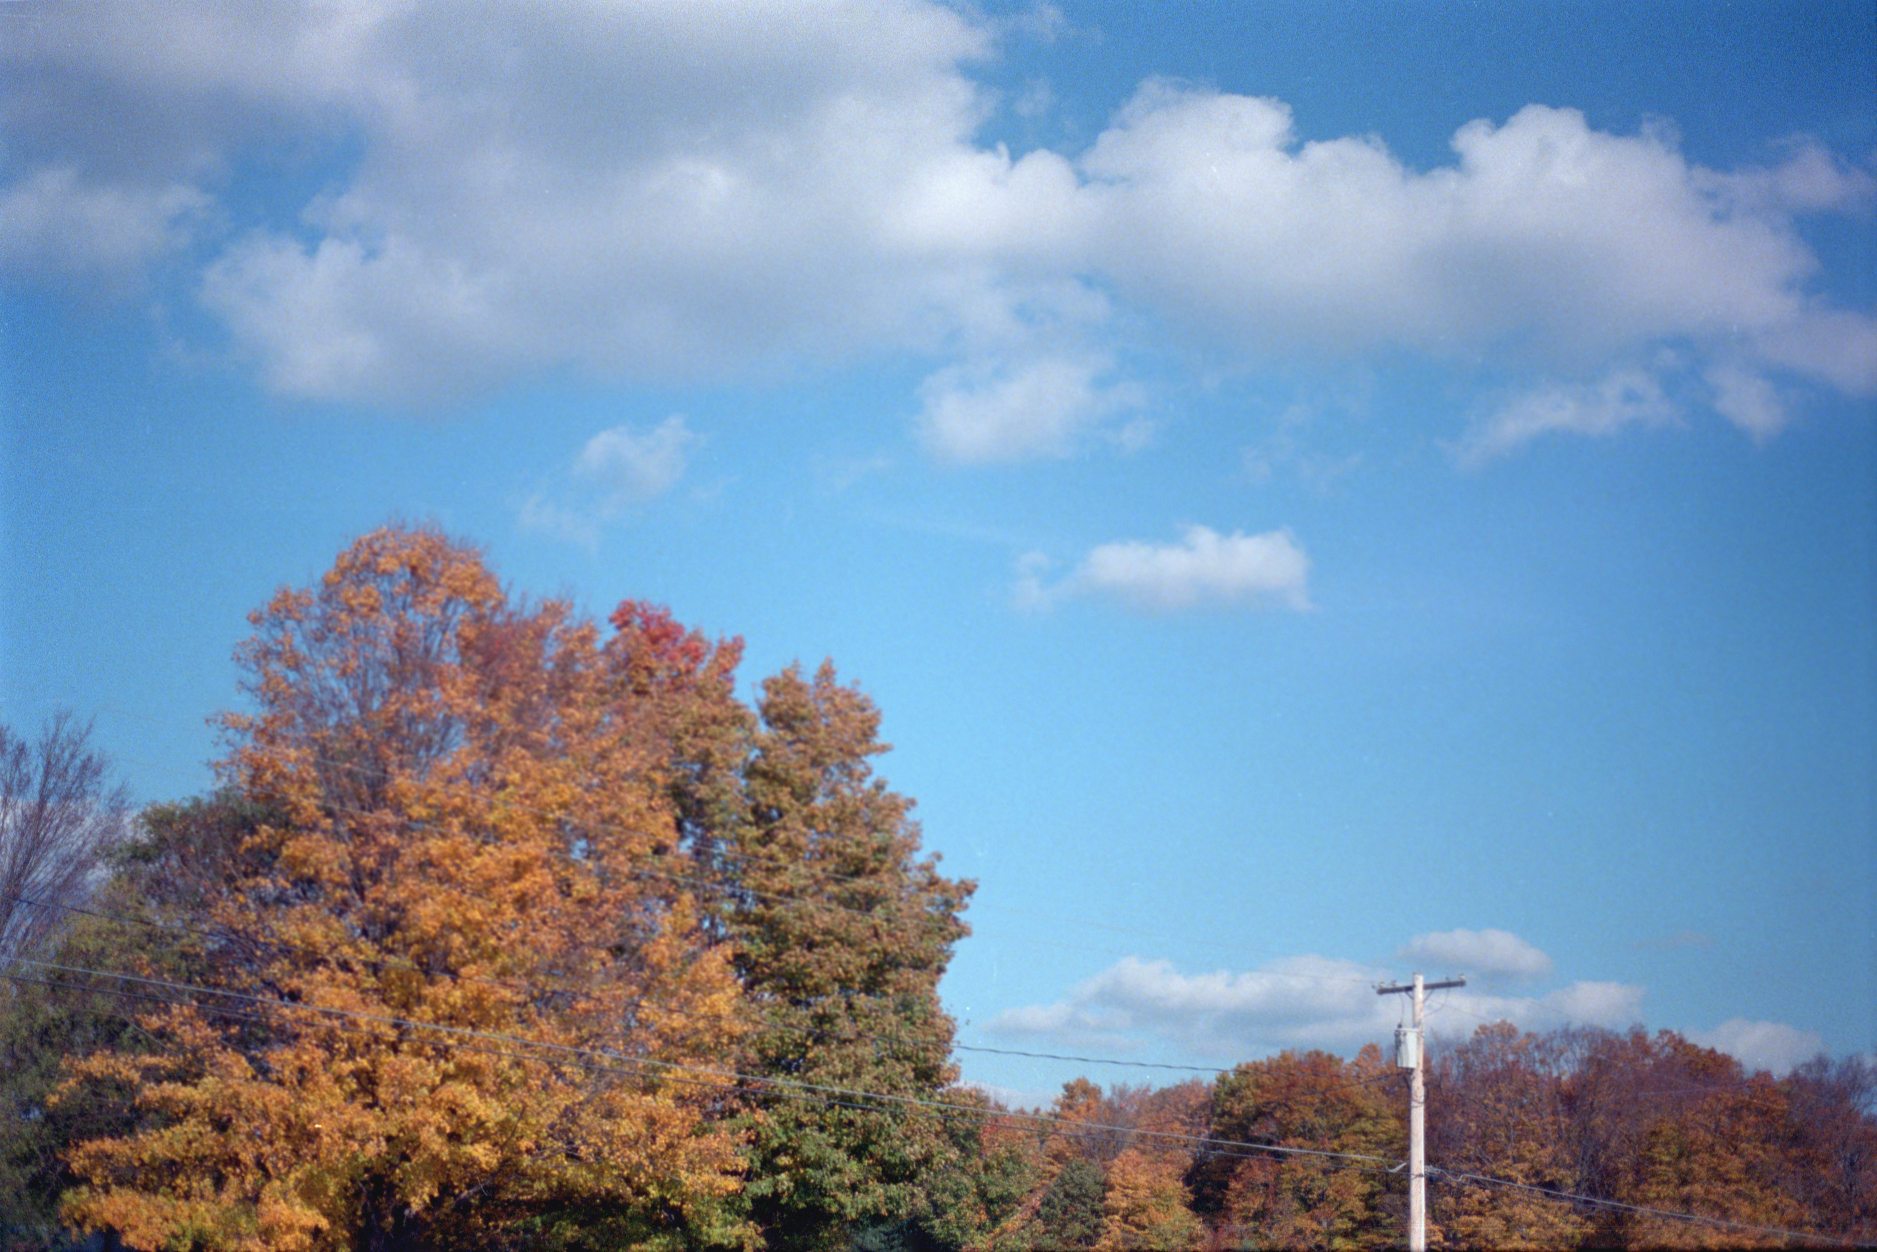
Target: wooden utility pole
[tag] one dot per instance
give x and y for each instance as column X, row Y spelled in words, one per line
column 1410, row 1053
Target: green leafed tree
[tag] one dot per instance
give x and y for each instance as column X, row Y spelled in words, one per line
column 840, row 933
column 1070, row 1215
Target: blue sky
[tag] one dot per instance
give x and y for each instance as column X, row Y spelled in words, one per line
column 1316, row 494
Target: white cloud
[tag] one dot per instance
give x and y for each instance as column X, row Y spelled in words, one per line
column 617, row 471
column 1484, row 952
column 1811, row 179
column 1204, row 568
column 1833, row 346
column 633, row 468
column 1748, row 399
column 1013, row 1097
column 712, row 189
column 1032, row 408
column 1547, row 241
column 52, row 219
column 1761, row 1045
column 1300, row 1001
column 1611, row 1004
column 1622, row 398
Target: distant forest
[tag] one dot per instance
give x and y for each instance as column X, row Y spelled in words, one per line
column 508, row 929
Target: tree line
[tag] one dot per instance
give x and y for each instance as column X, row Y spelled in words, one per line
column 505, row 929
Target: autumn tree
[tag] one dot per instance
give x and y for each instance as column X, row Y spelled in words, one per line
column 1148, row 1203
column 54, row 1010
column 1329, row 1186
column 1087, row 1124
column 443, row 1004
column 983, row 1182
column 1495, row 1109
column 140, row 918
column 1139, row 1142
column 1712, row 1140
column 1832, row 1172
column 1003, row 1166
column 676, row 689
column 840, row 933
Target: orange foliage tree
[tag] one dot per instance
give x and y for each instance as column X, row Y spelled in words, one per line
column 1684, row 1129
column 1495, row 1109
column 1832, row 1171
column 1148, row 1203
column 456, row 983
column 1312, row 1103
column 1665, row 1144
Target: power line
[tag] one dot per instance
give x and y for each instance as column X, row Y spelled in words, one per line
column 1057, row 919
column 728, row 1079
column 1073, row 1129
column 468, row 1039
column 1482, row 1180
column 746, row 1022
column 1093, row 1060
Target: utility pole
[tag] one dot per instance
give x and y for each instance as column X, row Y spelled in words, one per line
column 1410, row 1053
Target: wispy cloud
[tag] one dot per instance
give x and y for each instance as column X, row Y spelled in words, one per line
column 1623, row 398
column 1204, row 568
column 617, row 471
column 56, row 220
column 631, row 467
column 1485, row 952
column 1007, row 412
column 1748, row 399
column 1288, row 1002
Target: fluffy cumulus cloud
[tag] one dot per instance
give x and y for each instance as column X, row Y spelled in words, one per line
column 1762, row 1045
column 1204, row 568
column 1481, row 952
column 721, row 189
column 1306, row 1001
column 1302, row 1001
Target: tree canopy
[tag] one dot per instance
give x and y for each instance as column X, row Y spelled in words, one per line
column 508, row 929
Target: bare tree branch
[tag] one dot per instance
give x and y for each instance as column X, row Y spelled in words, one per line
column 58, row 815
